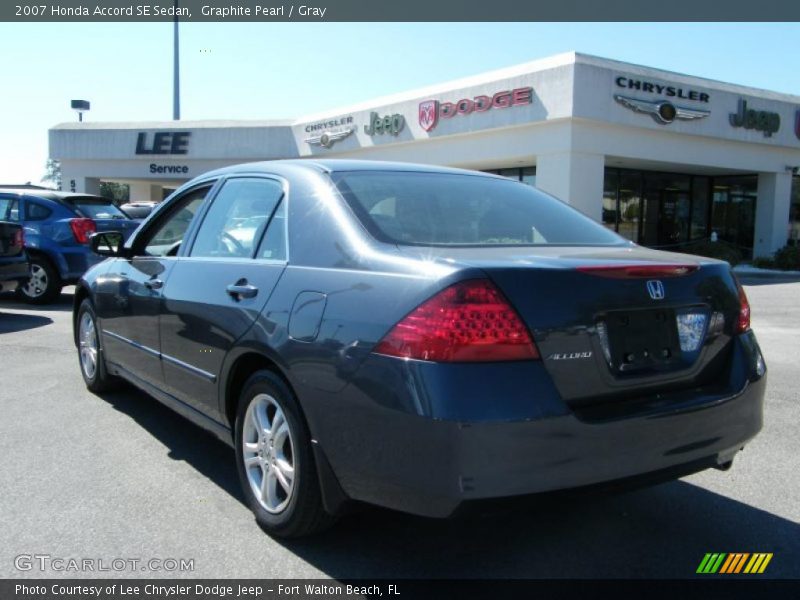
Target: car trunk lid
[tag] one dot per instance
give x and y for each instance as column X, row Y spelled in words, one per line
column 104, row 213
column 615, row 322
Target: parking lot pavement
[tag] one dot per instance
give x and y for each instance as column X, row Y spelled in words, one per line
column 123, row 477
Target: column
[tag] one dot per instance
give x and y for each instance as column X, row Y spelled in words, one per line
column 144, row 191
column 772, row 212
column 71, row 182
column 575, row 178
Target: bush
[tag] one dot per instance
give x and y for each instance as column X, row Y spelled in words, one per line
column 764, row 262
column 788, row 258
column 720, row 250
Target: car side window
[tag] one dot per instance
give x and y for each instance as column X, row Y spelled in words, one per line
column 237, row 218
column 273, row 246
column 36, row 212
column 9, row 209
column 165, row 237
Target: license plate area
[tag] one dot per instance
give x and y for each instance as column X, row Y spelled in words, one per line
column 642, row 340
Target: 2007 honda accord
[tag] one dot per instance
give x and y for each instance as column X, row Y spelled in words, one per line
column 418, row 338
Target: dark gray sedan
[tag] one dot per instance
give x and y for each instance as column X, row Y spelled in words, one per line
column 418, row 338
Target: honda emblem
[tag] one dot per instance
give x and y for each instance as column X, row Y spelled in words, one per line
column 656, row 289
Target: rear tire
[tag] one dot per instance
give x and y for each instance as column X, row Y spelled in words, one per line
column 275, row 461
column 44, row 285
column 90, row 353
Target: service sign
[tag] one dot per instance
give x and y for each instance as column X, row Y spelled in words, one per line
column 163, row 142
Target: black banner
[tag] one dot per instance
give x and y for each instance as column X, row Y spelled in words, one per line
column 398, row 11
column 727, row 588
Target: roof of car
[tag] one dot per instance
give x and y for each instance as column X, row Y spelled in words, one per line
column 333, row 165
column 23, row 186
column 45, row 193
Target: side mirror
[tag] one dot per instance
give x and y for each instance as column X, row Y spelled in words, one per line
column 107, row 243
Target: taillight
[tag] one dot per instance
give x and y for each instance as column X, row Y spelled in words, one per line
column 81, row 229
column 743, row 322
column 470, row 321
column 638, row 271
column 19, row 238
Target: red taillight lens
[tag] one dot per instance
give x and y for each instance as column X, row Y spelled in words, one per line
column 19, row 238
column 81, row 229
column 638, row 271
column 470, row 321
column 743, row 322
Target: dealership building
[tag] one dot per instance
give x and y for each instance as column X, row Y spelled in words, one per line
column 661, row 157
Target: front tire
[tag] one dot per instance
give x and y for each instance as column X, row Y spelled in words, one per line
column 44, row 285
column 90, row 353
column 275, row 461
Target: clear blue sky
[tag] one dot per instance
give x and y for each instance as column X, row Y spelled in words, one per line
column 266, row 71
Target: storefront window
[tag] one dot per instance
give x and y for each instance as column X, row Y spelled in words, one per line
column 510, row 173
column 630, row 201
column 699, row 222
column 669, row 210
column 610, row 208
column 665, row 220
column 526, row 175
column 734, row 210
column 794, row 213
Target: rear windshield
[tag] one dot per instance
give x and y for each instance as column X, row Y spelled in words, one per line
column 443, row 209
column 96, row 208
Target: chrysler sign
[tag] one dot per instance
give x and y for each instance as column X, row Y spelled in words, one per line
column 670, row 91
column 430, row 111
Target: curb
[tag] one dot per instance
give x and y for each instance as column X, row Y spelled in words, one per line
column 755, row 273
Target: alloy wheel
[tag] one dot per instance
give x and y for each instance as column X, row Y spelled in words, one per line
column 37, row 283
column 87, row 338
column 268, row 453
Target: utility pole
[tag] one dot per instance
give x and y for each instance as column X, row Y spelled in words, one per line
column 176, row 70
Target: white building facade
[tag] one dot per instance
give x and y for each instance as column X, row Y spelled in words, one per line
column 662, row 158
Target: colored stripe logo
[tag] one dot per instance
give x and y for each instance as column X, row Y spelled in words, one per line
column 734, row 562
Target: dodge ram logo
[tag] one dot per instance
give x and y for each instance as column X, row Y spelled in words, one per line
column 428, row 114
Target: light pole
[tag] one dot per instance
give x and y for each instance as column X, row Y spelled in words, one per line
column 176, row 83
column 80, row 107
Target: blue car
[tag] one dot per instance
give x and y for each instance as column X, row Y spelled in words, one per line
column 57, row 228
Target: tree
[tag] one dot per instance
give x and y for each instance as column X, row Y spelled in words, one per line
column 53, row 172
column 119, row 193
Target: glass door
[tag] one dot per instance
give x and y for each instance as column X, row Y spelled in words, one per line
column 673, row 218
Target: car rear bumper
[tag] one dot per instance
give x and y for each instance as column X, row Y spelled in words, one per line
column 75, row 262
column 13, row 272
column 431, row 466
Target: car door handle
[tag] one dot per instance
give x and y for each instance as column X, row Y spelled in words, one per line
column 242, row 289
column 154, row 284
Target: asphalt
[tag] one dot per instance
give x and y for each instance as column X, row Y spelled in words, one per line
column 120, row 476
